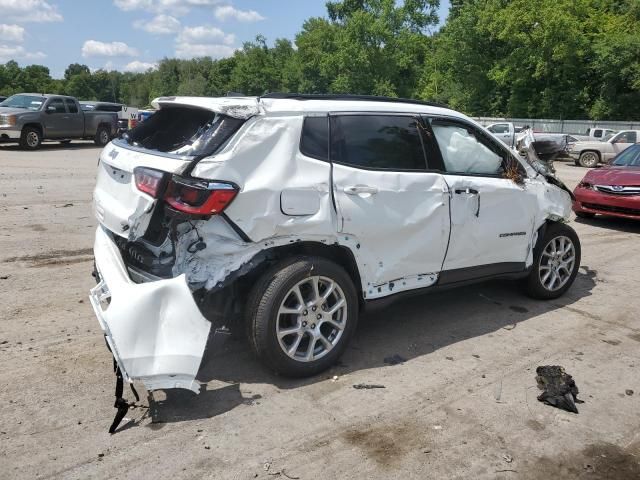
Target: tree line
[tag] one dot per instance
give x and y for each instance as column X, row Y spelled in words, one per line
column 515, row 58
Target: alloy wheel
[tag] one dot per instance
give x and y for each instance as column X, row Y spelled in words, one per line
column 557, row 262
column 311, row 319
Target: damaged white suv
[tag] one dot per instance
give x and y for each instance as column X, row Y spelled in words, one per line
column 286, row 215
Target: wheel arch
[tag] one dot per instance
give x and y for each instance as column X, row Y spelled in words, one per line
column 35, row 125
column 218, row 305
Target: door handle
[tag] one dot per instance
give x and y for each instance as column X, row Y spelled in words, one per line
column 358, row 189
column 470, row 191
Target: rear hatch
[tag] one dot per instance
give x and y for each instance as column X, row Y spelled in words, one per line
column 135, row 169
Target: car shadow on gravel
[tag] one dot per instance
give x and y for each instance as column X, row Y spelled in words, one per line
column 410, row 328
column 611, row 223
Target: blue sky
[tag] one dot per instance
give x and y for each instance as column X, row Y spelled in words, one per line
column 132, row 35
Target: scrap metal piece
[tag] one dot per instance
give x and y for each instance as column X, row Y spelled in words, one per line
column 559, row 388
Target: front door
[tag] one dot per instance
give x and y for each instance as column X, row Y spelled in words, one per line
column 393, row 207
column 492, row 217
column 55, row 118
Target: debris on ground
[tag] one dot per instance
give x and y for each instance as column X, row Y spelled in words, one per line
column 559, row 388
column 629, row 392
column 394, row 359
column 365, row 386
column 4, row 277
column 507, row 458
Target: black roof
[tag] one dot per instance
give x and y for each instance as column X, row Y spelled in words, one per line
column 332, row 96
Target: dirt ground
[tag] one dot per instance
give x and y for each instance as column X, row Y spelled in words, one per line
column 462, row 405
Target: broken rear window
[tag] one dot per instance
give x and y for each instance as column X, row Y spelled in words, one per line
column 184, row 131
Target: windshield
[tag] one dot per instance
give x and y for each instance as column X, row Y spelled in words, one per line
column 184, row 131
column 28, row 102
column 628, row 158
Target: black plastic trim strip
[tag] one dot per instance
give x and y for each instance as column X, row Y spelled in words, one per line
column 469, row 273
column 245, row 238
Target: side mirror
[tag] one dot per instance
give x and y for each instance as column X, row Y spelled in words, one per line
column 51, row 109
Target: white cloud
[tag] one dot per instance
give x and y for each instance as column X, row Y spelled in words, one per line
column 228, row 12
column 175, row 7
column 159, row 25
column 193, row 50
column 13, row 52
column 139, row 67
column 94, row 48
column 11, row 33
column 205, row 35
column 23, row 11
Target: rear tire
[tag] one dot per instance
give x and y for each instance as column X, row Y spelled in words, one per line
column 31, row 138
column 555, row 263
column 589, row 159
column 310, row 297
column 102, row 137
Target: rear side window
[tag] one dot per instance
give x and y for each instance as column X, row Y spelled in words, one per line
column 71, row 105
column 384, row 142
column 184, row 131
column 314, row 141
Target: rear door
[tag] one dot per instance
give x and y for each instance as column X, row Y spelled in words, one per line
column 388, row 199
column 55, row 118
column 492, row 217
column 74, row 125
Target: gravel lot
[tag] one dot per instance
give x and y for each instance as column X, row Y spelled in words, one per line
column 463, row 405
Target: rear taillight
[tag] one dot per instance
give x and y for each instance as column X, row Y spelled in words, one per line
column 149, row 181
column 199, row 197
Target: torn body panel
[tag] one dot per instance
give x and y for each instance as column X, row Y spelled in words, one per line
column 155, row 330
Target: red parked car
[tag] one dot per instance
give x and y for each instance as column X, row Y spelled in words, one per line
column 612, row 190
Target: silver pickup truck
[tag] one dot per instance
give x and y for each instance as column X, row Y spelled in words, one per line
column 30, row 118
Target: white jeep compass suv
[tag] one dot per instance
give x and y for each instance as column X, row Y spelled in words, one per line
column 288, row 214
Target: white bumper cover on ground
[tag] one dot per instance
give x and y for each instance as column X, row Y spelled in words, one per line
column 155, row 330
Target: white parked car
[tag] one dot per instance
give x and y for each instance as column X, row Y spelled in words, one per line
column 290, row 214
column 589, row 154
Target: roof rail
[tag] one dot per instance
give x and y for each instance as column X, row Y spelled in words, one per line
column 339, row 96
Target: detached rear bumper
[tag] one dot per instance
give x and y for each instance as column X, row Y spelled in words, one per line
column 155, row 330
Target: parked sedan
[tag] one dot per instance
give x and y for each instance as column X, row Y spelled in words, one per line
column 613, row 190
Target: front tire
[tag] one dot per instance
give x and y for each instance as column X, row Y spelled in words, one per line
column 589, row 159
column 555, row 263
column 301, row 314
column 102, row 137
column 31, row 138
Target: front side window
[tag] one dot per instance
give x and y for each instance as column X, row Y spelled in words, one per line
column 71, row 105
column 629, row 157
column 56, row 105
column 463, row 151
column 625, row 137
column 384, row 142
